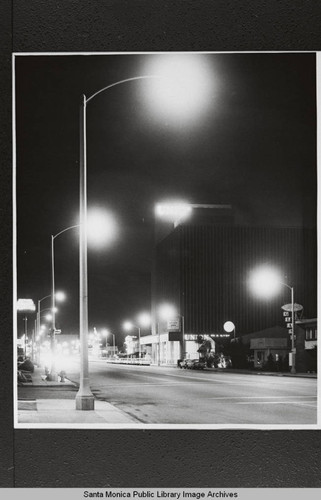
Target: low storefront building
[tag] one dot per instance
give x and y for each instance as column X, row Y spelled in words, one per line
column 265, row 349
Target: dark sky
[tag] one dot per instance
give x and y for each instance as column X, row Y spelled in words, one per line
column 253, row 146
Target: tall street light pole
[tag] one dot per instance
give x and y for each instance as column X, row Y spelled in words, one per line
column 266, row 282
column 183, row 337
column 293, row 364
column 113, row 343
column 53, row 375
column 84, row 397
column 39, row 312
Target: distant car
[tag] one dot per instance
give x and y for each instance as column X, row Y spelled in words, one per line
column 192, row 364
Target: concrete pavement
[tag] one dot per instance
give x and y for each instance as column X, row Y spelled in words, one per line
column 61, row 410
column 53, row 402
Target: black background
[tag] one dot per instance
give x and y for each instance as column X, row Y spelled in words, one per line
column 88, row 458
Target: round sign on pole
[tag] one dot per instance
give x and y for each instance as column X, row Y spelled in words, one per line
column 229, row 326
column 288, row 307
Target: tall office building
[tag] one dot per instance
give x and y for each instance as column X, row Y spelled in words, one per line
column 202, row 269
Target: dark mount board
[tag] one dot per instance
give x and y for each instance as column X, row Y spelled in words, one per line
column 79, row 458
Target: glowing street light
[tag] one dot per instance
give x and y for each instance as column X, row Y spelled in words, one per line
column 183, row 90
column 173, row 211
column 166, row 311
column 266, row 282
column 177, row 211
column 128, row 325
column 101, row 227
column 60, row 296
column 144, row 319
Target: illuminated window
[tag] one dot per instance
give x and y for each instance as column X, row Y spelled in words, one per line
column 311, row 334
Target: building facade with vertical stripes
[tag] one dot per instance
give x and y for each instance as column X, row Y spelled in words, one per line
column 203, row 271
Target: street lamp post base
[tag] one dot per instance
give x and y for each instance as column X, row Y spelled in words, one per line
column 293, row 369
column 85, row 402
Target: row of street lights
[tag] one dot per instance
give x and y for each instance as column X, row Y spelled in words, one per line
column 182, row 87
column 143, row 321
column 264, row 282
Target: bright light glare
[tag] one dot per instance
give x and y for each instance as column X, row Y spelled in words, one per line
column 173, row 211
column 184, row 88
column 166, row 312
column 101, row 227
column 229, row 326
column 48, row 317
column 144, row 319
column 128, row 325
column 105, row 332
column 60, row 296
column 265, row 282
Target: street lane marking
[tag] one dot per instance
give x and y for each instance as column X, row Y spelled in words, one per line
column 247, row 378
column 168, row 384
column 261, row 397
column 195, row 380
column 214, row 381
column 300, row 403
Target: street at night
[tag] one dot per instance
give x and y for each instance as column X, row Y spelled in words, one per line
column 160, row 395
column 166, row 212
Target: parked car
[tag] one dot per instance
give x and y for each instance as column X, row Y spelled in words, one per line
column 192, row 364
column 198, row 364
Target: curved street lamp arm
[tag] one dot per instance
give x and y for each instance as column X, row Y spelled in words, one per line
column 120, row 82
column 63, row 231
column 285, row 284
column 46, row 309
column 43, row 298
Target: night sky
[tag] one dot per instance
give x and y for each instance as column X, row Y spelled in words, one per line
column 252, row 146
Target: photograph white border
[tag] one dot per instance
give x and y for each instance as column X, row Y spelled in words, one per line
column 18, row 425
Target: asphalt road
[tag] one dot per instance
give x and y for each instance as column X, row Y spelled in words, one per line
column 160, row 395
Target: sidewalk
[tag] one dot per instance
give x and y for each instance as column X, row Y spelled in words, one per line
column 38, row 379
column 61, row 410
